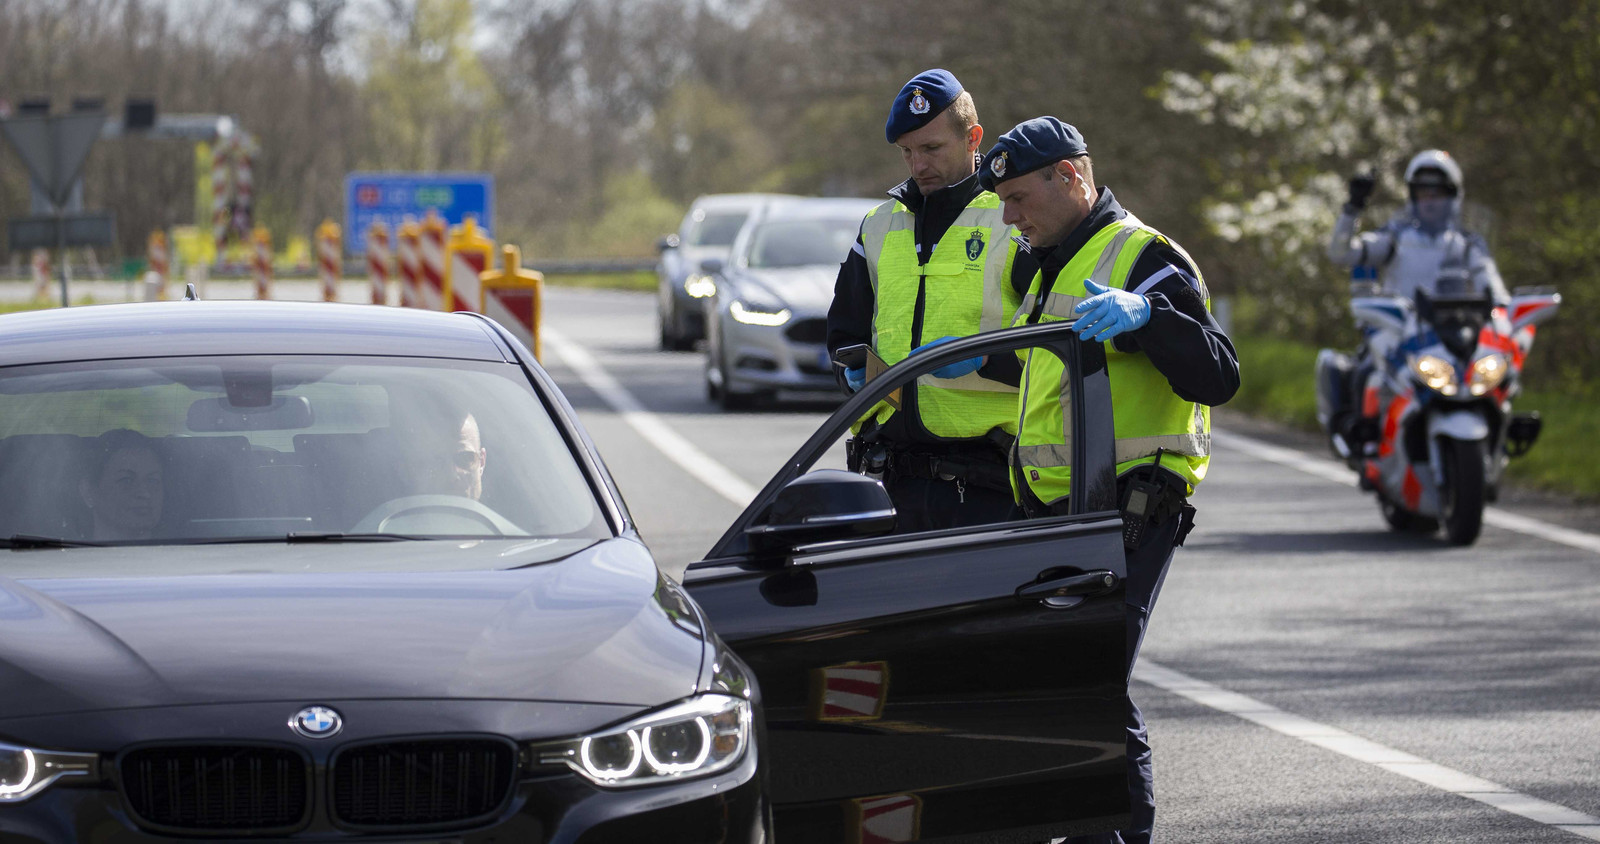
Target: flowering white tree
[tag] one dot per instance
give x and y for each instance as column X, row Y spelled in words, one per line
column 1299, row 100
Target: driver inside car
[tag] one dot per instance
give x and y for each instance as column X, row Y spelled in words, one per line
column 452, row 450
column 123, row 488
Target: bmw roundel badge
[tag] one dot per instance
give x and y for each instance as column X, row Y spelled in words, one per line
column 316, row 722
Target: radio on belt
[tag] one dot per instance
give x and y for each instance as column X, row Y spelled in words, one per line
column 1141, row 504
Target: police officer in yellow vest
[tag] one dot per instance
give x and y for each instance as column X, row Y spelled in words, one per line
column 933, row 263
column 1168, row 362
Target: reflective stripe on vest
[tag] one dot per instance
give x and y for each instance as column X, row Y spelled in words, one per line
column 966, row 289
column 1148, row 417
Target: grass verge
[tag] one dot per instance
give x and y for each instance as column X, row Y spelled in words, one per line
column 1278, row 384
column 611, row 281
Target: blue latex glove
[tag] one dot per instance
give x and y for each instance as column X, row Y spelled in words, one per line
column 951, row 370
column 1108, row 312
column 856, row 378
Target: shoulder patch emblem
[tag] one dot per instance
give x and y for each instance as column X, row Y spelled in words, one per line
column 974, row 245
column 919, row 102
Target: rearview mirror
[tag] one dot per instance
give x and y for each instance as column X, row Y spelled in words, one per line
column 218, row 415
column 666, row 242
column 824, row 506
column 712, row 266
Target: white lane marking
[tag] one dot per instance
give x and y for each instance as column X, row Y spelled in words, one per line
column 1495, row 516
column 735, row 489
column 670, row 443
column 1370, row 752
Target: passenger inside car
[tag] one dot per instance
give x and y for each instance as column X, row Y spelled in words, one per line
column 124, row 487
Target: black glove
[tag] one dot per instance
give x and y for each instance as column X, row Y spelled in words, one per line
column 1361, row 187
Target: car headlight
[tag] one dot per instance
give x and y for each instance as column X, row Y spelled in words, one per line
column 1488, row 372
column 1435, row 373
column 758, row 315
column 698, row 737
column 700, row 286
column 25, row 771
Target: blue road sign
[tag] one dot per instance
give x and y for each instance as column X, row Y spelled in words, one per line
column 392, row 197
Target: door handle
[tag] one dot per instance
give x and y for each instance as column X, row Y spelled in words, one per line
column 1064, row 592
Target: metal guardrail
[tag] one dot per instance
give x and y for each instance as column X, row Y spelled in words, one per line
column 358, row 269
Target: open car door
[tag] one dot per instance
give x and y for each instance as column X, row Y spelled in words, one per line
column 952, row 685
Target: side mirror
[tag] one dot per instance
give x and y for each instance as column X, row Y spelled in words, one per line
column 826, row 505
column 666, row 242
column 712, row 266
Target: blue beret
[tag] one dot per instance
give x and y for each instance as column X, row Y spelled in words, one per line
column 922, row 99
column 1036, row 143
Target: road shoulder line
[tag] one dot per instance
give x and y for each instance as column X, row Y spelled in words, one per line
column 1329, row 470
column 1369, row 752
column 674, row 446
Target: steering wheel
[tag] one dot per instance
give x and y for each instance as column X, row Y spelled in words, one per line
column 435, row 515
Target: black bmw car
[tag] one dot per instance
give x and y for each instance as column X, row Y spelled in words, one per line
column 308, row 572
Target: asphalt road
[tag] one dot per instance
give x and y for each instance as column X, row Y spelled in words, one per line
column 1309, row 676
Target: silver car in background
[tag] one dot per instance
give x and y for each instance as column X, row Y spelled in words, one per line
column 707, row 231
column 767, row 322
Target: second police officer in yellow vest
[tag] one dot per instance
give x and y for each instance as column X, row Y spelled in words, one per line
column 934, row 263
column 1167, row 361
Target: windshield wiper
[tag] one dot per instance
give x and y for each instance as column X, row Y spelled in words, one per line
column 24, row 541
column 310, row 536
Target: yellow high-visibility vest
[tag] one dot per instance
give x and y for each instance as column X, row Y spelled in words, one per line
column 967, row 290
column 1147, row 415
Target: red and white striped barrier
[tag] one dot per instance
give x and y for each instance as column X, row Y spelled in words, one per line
column 408, row 259
column 513, row 297
column 243, row 185
column 378, row 259
column 221, row 193
column 160, row 258
column 261, row 261
column 433, row 249
column 41, row 273
column 470, row 254
column 330, row 260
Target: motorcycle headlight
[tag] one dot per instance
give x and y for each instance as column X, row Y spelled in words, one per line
column 698, row 737
column 25, row 771
column 1488, row 372
column 700, row 286
column 750, row 314
column 1435, row 373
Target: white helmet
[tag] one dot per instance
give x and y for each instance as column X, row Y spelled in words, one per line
column 1436, row 159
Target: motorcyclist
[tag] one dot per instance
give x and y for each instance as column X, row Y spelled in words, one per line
column 1409, row 250
column 1409, row 253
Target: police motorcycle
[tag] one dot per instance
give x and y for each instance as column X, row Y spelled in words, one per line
column 1430, row 429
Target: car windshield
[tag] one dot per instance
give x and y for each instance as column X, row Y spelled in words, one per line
column 716, row 229
column 800, row 243
column 220, row 449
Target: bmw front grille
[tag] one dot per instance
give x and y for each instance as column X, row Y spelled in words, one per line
column 395, row 786
column 217, row 789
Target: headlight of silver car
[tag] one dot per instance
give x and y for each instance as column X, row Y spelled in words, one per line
column 1436, row 374
column 1488, row 372
column 25, row 771
column 698, row 737
column 752, row 314
column 700, row 286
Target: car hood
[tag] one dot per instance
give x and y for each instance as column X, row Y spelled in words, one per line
column 805, row 290
column 599, row 626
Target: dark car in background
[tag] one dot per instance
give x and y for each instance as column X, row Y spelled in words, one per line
column 767, row 319
column 707, row 231
column 296, row 571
